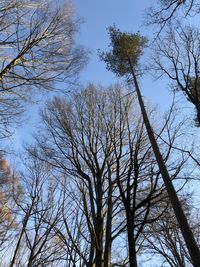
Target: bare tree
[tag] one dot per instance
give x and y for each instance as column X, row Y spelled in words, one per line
column 140, row 186
column 35, row 240
column 165, row 11
column 164, row 240
column 123, row 60
column 97, row 140
column 37, row 51
column 10, row 190
column 80, row 142
column 178, row 57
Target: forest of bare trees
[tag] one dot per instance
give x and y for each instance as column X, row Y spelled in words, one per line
column 106, row 179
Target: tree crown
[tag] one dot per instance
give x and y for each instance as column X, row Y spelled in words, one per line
column 126, row 51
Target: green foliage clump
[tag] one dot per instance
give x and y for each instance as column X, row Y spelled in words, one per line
column 125, row 53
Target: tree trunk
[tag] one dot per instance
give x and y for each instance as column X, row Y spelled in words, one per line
column 24, row 224
column 99, row 224
column 131, row 242
column 108, row 242
column 197, row 115
column 98, row 258
column 179, row 213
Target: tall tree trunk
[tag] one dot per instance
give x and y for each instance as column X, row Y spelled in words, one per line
column 99, row 224
column 131, row 242
column 179, row 213
column 98, row 259
column 99, row 244
column 108, row 242
column 197, row 114
column 24, row 224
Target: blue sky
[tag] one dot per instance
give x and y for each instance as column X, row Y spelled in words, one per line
column 98, row 15
column 128, row 15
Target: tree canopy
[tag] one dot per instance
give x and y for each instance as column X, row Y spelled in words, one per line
column 126, row 48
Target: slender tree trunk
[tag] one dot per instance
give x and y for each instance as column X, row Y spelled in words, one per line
column 99, row 224
column 30, row 261
column 99, row 244
column 131, row 242
column 198, row 115
column 98, row 259
column 108, row 242
column 179, row 213
column 175, row 251
column 24, row 224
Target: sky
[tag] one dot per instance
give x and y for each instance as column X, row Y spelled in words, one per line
column 96, row 16
column 99, row 15
column 127, row 15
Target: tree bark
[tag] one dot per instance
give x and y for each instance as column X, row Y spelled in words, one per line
column 24, row 224
column 108, row 242
column 131, row 242
column 176, row 205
